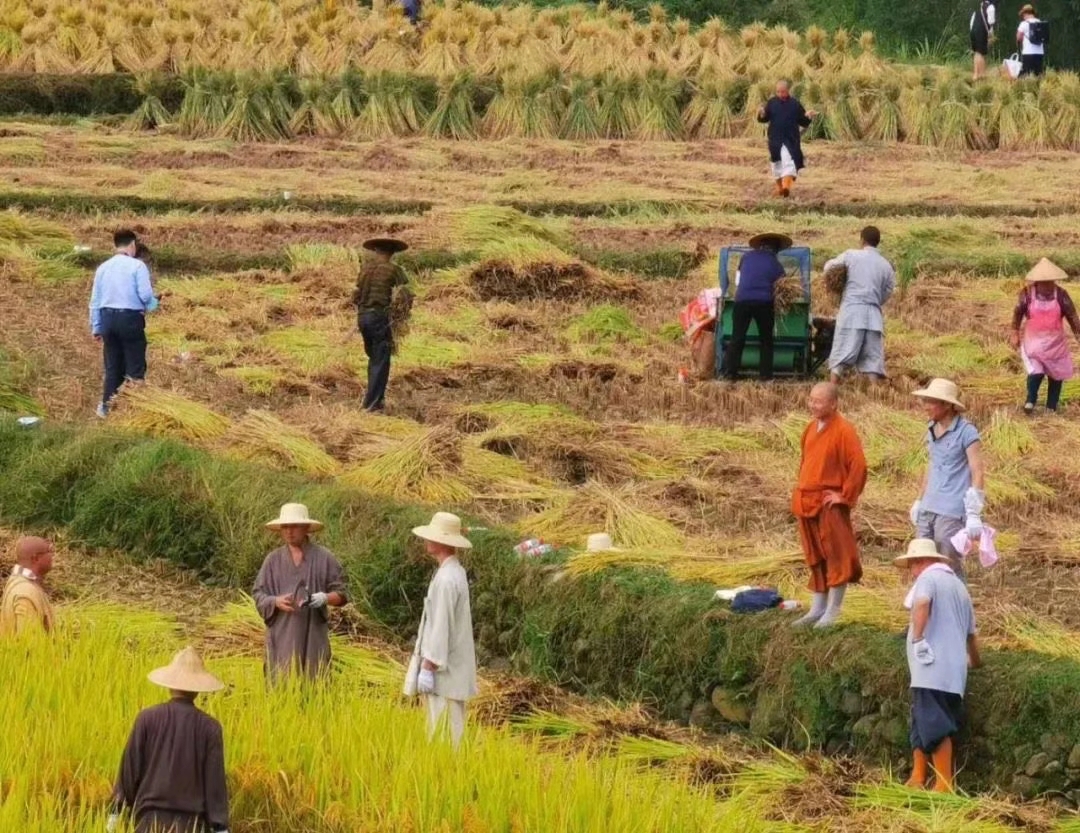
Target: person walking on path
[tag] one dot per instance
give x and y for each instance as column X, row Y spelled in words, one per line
column 119, row 301
column 172, row 773
column 941, row 644
column 443, row 664
column 952, row 496
column 1031, row 36
column 981, row 29
column 372, row 296
column 1038, row 330
column 759, row 270
column 296, row 585
column 26, row 606
column 859, row 341
column 832, row 476
column 786, row 118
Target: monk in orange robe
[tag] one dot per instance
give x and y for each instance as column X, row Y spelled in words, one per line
column 832, row 476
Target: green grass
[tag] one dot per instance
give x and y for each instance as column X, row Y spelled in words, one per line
column 606, row 324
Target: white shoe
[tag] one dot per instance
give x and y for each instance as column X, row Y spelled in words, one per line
column 101, row 411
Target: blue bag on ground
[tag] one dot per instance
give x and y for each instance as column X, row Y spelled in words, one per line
column 756, row 600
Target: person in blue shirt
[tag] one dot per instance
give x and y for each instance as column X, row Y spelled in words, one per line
column 759, row 270
column 121, row 297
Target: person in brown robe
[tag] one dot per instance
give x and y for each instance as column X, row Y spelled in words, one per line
column 832, row 476
column 25, row 605
column 172, row 773
column 298, row 636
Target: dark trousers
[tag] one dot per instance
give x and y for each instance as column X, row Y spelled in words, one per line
column 375, row 328
column 1031, row 65
column 123, row 339
column 162, row 821
column 742, row 314
column 1053, row 390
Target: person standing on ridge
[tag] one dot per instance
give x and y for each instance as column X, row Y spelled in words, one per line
column 1032, row 36
column 981, row 30
column 374, row 290
column 785, row 116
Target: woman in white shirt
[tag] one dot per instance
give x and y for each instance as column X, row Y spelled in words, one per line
column 1031, row 36
column 982, row 34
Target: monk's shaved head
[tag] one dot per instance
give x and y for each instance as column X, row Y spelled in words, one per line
column 826, row 390
column 34, row 554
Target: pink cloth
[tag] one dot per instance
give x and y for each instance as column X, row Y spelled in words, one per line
column 988, row 556
column 1046, row 348
column 909, row 599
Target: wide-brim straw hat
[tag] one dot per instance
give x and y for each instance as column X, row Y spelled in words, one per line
column 294, row 514
column 942, row 390
column 920, row 548
column 782, row 241
column 600, row 542
column 186, row 672
column 1027, row 8
column 1046, row 270
column 444, row 529
column 386, row 244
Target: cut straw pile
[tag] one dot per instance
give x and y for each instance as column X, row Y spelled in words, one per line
column 263, row 437
column 835, row 281
column 163, row 413
column 789, row 291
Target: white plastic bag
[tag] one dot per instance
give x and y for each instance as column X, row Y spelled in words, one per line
column 1013, row 65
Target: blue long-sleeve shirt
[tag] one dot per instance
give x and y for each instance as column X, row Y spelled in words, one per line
column 121, row 282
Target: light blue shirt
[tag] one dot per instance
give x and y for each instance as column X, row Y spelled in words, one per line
column 952, row 620
column 871, row 281
column 950, row 475
column 121, row 282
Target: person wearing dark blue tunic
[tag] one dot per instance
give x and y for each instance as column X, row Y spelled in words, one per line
column 786, row 117
column 759, row 270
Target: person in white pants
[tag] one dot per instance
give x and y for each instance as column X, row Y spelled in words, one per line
column 443, row 665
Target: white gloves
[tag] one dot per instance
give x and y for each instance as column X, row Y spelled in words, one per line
column 974, row 527
column 112, row 822
column 974, row 501
column 425, row 683
column 916, row 508
column 924, row 654
column 317, row 600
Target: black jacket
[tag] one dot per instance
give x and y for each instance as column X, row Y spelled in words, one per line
column 784, row 118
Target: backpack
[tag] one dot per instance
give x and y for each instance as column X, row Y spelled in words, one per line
column 1038, row 33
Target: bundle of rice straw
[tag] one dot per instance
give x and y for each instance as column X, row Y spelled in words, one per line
column 400, row 313
column 163, row 413
column 836, row 280
column 789, row 291
column 263, row 437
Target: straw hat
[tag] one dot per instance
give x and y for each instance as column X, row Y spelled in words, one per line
column 186, row 672
column 920, row 548
column 386, row 244
column 782, row 241
column 600, row 542
column 444, row 529
column 294, row 514
column 1046, row 270
column 1027, row 8
column 942, row 390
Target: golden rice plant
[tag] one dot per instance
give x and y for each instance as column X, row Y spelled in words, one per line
column 261, row 436
column 164, row 413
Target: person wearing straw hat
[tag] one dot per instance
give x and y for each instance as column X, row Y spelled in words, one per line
column 375, row 285
column 951, row 491
column 26, row 605
column 443, row 664
column 1038, row 330
column 832, row 476
column 297, row 584
column 172, row 772
column 755, row 293
column 1031, row 37
column 786, row 118
column 859, row 341
column 941, row 644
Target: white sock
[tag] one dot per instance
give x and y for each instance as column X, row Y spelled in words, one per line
column 817, row 609
column 836, row 602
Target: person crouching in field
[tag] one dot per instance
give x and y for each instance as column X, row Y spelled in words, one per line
column 374, row 291
column 786, row 117
column 940, row 645
column 1038, row 330
column 832, row 476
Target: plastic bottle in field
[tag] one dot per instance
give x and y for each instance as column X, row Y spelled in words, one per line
column 790, row 604
column 533, row 548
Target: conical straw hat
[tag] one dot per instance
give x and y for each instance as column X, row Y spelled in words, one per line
column 186, row 672
column 1046, row 270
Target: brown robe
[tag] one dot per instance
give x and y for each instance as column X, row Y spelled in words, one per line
column 172, row 774
column 300, row 639
column 832, row 460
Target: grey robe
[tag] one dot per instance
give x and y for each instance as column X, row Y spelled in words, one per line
column 300, row 639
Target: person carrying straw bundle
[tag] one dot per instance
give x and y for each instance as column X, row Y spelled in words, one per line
column 941, row 644
column 755, row 294
column 172, row 773
column 1038, row 330
column 375, row 285
column 786, row 118
column 443, row 664
column 832, row 476
column 952, row 496
column 26, row 605
column 296, row 585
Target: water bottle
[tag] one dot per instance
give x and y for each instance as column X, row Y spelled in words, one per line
column 526, row 547
column 790, row 604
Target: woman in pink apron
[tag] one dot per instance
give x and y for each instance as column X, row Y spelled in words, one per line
column 1044, row 347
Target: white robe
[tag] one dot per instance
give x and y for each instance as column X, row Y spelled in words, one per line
column 446, row 635
column 786, row 165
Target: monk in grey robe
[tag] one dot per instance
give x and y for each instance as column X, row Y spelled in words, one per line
column 298, row 637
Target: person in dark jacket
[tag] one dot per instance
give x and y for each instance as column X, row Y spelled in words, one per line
column 378, row 278
column 759, row 270
column 785, row 116
column 981, row 27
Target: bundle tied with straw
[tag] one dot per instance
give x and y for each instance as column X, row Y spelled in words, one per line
column 836, row 280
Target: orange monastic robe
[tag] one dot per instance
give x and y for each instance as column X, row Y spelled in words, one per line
column 832, row 460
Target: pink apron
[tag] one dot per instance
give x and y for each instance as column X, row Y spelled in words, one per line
column 1046, row 347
